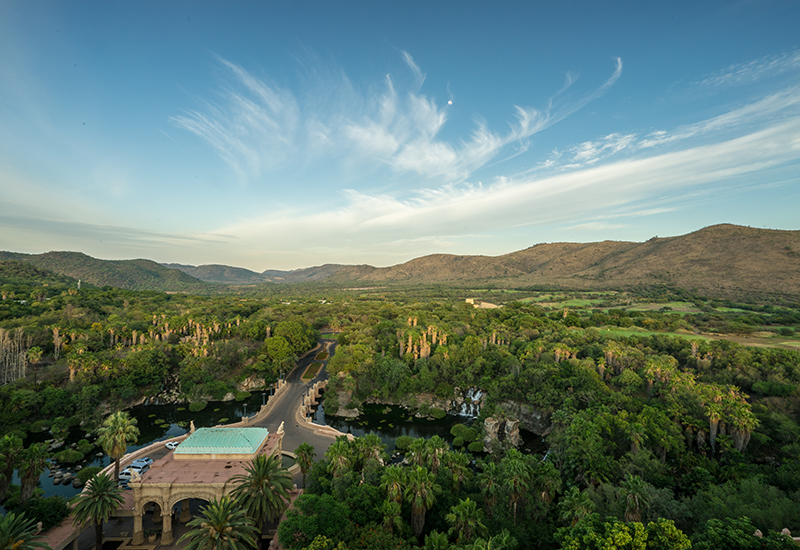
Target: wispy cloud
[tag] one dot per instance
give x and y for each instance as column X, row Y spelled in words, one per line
column 592, row 195
column 746, row 73
column 255, row 126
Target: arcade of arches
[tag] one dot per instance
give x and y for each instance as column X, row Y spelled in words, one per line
column 200, row 468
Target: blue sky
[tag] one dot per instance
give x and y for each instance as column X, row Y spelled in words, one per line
column 280, row 135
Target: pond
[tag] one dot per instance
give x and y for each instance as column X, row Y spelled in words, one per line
column 162, row 422
column 392, row 421
column 155, row 423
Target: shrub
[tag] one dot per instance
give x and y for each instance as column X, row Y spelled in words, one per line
column 476, row 447
column 88, row 473
column 68, row 456
column 197, row 406
column 50, row 511
column 84, row 446
column 403, row 442
column 438, row 413
column 242, row 395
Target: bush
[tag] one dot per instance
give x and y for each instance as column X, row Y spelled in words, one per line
column 88, row 473
column 786, row 331
column 84, row 446
column 50, row 511
column 475, row 447
column 242, row 395
column 438, row 413
column 403, row 442
column 197, row 406
column 68, row 456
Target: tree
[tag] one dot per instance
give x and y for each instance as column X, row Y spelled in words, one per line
column 575, row 506
column 263, row 492
column 10, row 449
column 392, row 516
column 96, row 504
column 435, row 448
column 392, row 481
column 517, row 475
column 222, row 525
column 421, row 491
column 634, row 490
column 466, row 521
column 490, row 481
column 338, row 455
column 32, row 462
column 18, row 533
column 304, row 455
column 117, row 431
column 663, row 535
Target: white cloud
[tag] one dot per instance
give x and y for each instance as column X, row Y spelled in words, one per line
column 257, row 126
column 373, row 222
column 752, row 71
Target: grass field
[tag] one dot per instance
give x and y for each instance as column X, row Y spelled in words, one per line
column 311, row 371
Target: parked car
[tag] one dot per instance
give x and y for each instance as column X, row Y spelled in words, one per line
column 142, row 462
column 127, row 473
column 172, row 445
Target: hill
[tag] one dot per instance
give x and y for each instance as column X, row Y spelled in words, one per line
column 721, row 260
column 128, row 274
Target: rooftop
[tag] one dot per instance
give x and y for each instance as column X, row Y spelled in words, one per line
column 223, row 441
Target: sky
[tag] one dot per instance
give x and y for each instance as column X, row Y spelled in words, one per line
column 283, row 135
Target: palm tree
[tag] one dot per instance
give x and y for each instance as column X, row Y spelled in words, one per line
column 436, row 541
column 435, row 448
column 548, row 481
column 222, row 525
column 117, row 431
column 491, row 482
column 636, row 432
column 96, row 504
column 10, row 449
column 634, row 489
column 458, row 464
column 263, row 492
column 304, row 455
column 517, row 476
column 575, row 506
column 338, row 455
column 417, row 450
column 392, row 518
column 714, row 414
column 421, row 491
column 392, row 481
column 465, row 519
column 371, row 447
column 18, row 533
column 32, row 462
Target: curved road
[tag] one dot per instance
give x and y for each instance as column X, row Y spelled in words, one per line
column 285, row 408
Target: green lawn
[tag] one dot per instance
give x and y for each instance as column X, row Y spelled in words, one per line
column 311, row 371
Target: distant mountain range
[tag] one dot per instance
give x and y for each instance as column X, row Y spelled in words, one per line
column 721, row 260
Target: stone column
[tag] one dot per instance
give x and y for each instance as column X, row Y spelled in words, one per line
column 186, row 513
column 138, row 532
column 166, row 530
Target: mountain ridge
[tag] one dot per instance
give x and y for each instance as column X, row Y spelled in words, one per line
column 719, row 260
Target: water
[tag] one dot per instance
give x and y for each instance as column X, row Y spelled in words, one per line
column 392, row 421
column 217, row 412
column 387, row 421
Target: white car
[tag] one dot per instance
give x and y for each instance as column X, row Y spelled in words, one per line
column 142, row 462
column 127, row 473
column 172, row 445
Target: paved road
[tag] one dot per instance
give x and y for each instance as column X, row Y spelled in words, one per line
column 285, row 409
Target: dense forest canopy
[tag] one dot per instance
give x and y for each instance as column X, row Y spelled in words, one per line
column 660, row 420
